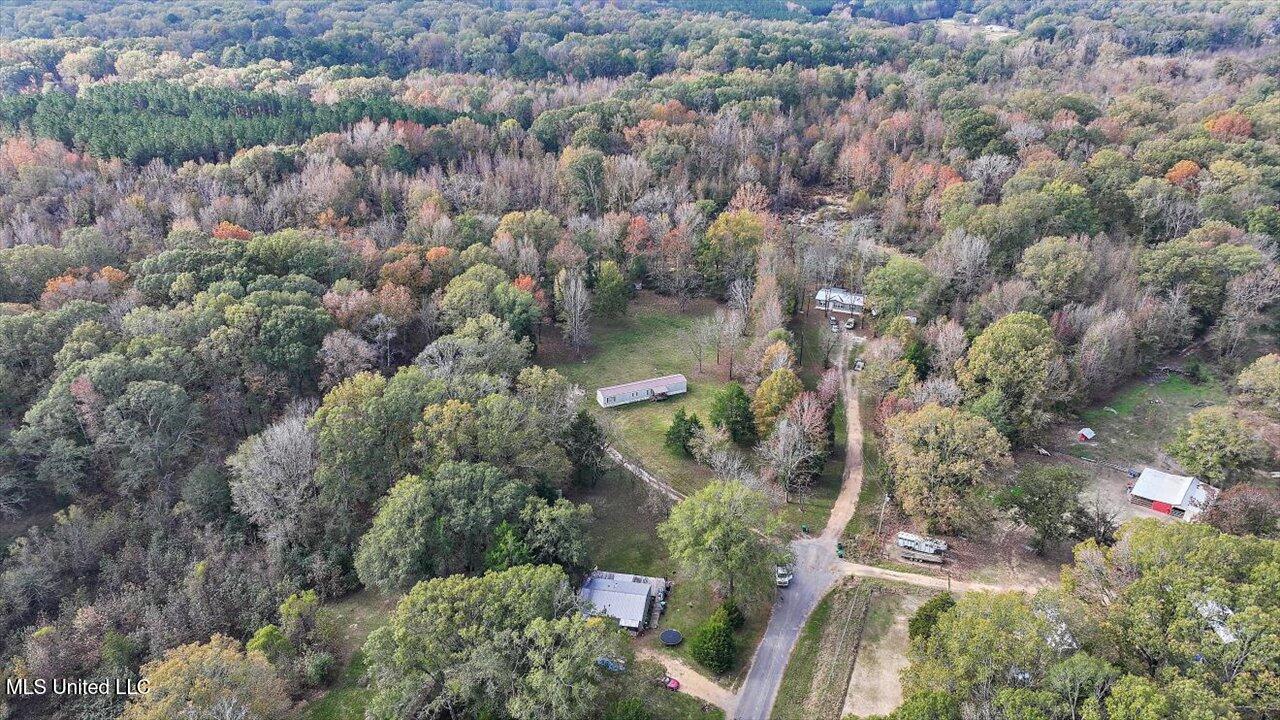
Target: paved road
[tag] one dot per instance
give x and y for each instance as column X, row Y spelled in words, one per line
column 815, row 574
column 817, row 569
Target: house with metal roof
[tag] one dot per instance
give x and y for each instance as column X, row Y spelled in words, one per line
column 630, row 599
column 651, row 389
column 839, row 300
column 1176, row 495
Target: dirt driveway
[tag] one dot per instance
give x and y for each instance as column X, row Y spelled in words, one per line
column 691, row 681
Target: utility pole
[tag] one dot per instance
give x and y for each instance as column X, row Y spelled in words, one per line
column 883, row 505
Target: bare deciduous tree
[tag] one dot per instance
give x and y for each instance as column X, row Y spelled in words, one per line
column 273, row 476
column 960, row 259
column 574, row 302
column 732, row 326
column 13, row 496
column 989, row 173
column 942, row 390
column 1005, row 298
column 713, row 447
column 785, row 458
column 1108, row 353
column 1162, row 324
column 344, row 354
column 947, row 342
column 699, row 338
column 739, row 296
column 1245, row 298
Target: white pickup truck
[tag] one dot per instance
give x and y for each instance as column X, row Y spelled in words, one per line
column 782, row 575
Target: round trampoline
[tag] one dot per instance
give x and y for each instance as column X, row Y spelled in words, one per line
column 671, row 638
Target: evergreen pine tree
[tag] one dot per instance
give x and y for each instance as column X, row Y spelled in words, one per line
column 731, row 409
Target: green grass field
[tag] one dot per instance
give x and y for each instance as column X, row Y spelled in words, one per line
column 356, row 616
column 690, row 604
column 346, row 699
column 623, row 535
column 1136, row 423
column 813, row 336
column 818, row 671
column 642, row 344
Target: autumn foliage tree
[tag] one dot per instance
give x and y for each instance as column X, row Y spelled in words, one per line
column 943, row 460
column 216, row 677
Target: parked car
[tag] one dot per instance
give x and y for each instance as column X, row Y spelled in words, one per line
column 849, row 324
column 611, row 664
column 669, row 683
column 835, row 327
column 782, row 575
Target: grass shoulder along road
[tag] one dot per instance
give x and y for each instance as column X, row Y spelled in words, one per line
column 875, row 479
column 824, row 655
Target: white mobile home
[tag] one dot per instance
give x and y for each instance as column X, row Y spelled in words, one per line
column 839, row 300
column 651, row 389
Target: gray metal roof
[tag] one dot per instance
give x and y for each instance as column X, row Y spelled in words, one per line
column 840, row 295
column 620, row 596
column 1175, row 490
column 658, row 383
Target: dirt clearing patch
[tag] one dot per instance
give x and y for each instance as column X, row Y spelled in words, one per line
column 874, row 685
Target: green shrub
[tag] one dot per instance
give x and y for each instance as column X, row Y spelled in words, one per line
column 712, row 643
column 316, row 668
column 733, row 614
column 272, row 643
column 921, row 623
column 681, row 432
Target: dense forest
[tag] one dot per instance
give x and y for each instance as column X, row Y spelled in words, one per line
column 274, row 277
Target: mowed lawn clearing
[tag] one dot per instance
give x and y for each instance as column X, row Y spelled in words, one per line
column 624, row 538
column 356, row 616
column 1139, row 421
column 642, row 344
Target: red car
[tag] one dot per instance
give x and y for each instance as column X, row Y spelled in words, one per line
column 669, row 683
